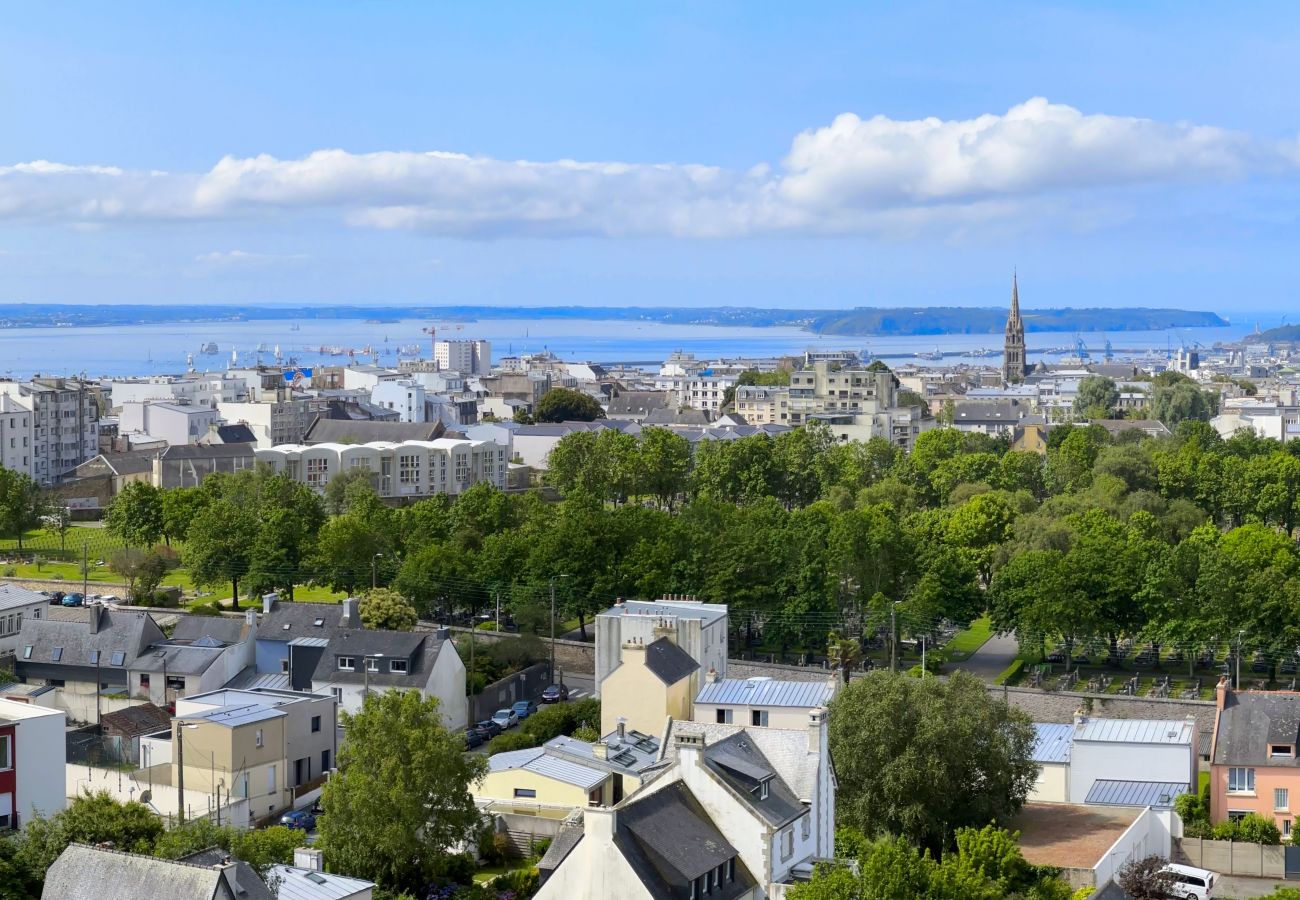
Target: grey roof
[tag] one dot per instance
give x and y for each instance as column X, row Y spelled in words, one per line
column 129, row 632
column 178, row 659
column 305, row 884
column 132, row 462
column 419, row 649
column 1250, row 721
column 301, row 619
column 364, row 431
column 562, row 844
column 1116, row 426
column 636, row 403
column 84, row 873
column 192, row 628
column 742, row 765
column 663, row 416
column 234, row 716
column 668, row 840
column 250, row 886
column 1052, row 743
column 248, row 679
column 786, row 750
column 135, row 720
column 681, row 609
column 1137, row 731
column 207, row 451
column 669, row 663
column 235, row 434
column 12, row 597
column 998, row 412
column 633, row 753
column 540, row 762
column 762, row 691
column 1160, row 794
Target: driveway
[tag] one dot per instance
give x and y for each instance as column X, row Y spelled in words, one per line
column 1228, row 887
column 989, row 661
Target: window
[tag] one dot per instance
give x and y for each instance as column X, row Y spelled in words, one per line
column 731, row 870
column 347, row 664
column 257, row 737
column 6, row 760
column 144, row 681
column 1281, row 796
column 27, row 652
column 763, row 789
column 525, row 793
column 118, row 657
column 787, row 843
column 1236, row 815
column 397, row 665
column 758, row 717
column 1281, row 750
column 324, row 760
column 270, row 780
column 94, row 657
column 1241, row 781
column 724, row 716
column 284, row 667
column 56, row 654
column 408, row 468
column 315, row 724
column 806, row 827
column 338, row 694
column 317, row 471
column 372, row 665
column 1286, row 828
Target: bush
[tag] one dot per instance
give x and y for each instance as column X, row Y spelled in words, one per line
column 486, row 626
column 511, row 740
column 494, row 847
column 517, row 882
column 205, row 609
column 10, row 571
column 1256, row 829
column 457, row 867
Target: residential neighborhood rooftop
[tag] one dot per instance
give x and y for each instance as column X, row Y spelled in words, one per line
column 669, row 663
column 538, row 760
column 1136, row 731
column 762, row 691
column 1253, row 720
column 1052, row 744
column 1070, row 836
column 1110, row 792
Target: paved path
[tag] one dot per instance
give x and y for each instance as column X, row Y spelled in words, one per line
column 1228, row 887
column 989, row 660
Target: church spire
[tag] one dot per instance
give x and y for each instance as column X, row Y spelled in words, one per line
column 1015, row 296
column 1013, row 349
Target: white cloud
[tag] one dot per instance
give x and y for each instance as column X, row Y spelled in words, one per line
column 853, row 176
column 243, row 258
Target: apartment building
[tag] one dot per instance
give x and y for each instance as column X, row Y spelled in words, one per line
column 64, row 424
column 15, row 435
column 205, row 390
column 466, row 357
column 177, row 423
column 33, row 754
column 282, row 420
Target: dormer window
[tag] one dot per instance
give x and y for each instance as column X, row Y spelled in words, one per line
column 347, row 664
column 1286, row 751
column 763, row 789
column 397, row 665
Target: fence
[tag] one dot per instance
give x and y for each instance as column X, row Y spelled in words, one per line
column 1233, row 857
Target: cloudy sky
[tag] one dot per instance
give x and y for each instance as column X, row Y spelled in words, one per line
column 775, row 154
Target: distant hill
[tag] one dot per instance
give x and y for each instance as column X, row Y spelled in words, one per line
column 1281, row 333
column 992, row 320
column 861, row 321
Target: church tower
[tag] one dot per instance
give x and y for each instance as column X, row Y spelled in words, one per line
column 1013, row 348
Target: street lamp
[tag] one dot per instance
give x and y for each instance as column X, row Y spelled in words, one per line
column 180, row 769
column 365, row 675
column 553, row 626
column 373, row 576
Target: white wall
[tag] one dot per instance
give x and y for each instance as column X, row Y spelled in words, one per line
column 447, row 683
column 1150, row 834
column 1052, row 785
column 595, row 869
column 41, row 755
column 1093, row 760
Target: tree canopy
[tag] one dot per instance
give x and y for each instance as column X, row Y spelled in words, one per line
column 567, row 405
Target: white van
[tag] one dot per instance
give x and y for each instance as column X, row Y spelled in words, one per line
column 1191, row 882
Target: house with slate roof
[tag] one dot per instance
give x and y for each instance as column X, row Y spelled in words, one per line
column 654, row 681
column 203, row 654
column 1253, row 756
column 85, row 873
column 17, row 603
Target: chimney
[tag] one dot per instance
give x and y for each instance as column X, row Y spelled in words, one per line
column 250, row 618
column 309, row 858
column 633, row 651
column 230, row 869
column 688, row 744
column 711, row 676
column 1080, row 718
column 96, row 618
column 666, row 628
column 599, row 824
column 600, row 750
column 622, row 728
column 816, row 727
column 1221, row 691
column 351, row 618
column 269, row 601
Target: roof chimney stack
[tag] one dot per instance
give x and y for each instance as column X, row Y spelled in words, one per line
column 351, row 617
column 269, row 601
column 309, row 858
column 96, row 618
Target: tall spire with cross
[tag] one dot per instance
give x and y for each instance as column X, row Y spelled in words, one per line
column 1013, row 347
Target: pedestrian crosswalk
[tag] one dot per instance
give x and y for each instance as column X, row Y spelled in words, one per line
column 577, row 695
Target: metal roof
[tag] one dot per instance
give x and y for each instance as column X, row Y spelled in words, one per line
column 537, row 760
column 304, row 884
column 1137, row 731
column 766, row 692
column 233, row 716
column 1052, row 744
column 309, row 642
column 1160, row 794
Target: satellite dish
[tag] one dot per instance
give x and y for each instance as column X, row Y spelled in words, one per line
column 146, row 795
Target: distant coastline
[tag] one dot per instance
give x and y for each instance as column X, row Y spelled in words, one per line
column 862, row 321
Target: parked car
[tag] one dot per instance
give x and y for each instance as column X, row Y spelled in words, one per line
column 56, row 598
column 555, row 693
column 299, row 818
column 473, row 738
column 524, row 708
column 506, row 718
column 73, row 600
column 1191, row 882
column 491, row 726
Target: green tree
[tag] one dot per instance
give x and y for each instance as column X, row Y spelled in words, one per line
column 88, row 819
column 58, row 521
column 262, row 848
column 218, row 544
column 1180, row 401
column 387, row 610
column 843, row 653
column 664, row 465
column 401, row 796
column 179, row 507
column 136, row 515
column 1097, row 398
column 922, row 758
column 567, row 405
column 1145, row 878
column 346, row 549
column 21, row 504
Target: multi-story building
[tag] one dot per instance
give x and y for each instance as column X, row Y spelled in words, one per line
column 700, row 629
column 33, row 754
column 466, row 357
column 410, row 469
column 15, row 435
column 16, row 604
column 206, row 389
column 704, row 390
column 176, row 423
column 1253, row 756
column 283, row 420
column 65, row 424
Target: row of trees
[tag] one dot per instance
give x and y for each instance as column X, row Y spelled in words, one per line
column 1171, row 398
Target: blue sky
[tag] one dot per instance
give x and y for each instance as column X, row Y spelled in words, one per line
column 774, row 154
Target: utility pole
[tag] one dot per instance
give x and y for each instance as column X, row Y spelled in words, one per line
column 85, row 569
column 893, row 637
column 922, row 656
column 180, row 773
column 373, row 570
column 498, row 597
column 1237, row 685
column 552, row 672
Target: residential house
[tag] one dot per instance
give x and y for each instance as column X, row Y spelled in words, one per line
column 310, row 726
column 654, row 681
column 652, row 846
column 635, row 406
column 16, row 604
column 87, row 662
column 15, row 435
column 92, row 873
column 98, row 480
column 203, row 654
column 237, row 750
column 124, row 728
column 1030, row 436
column 307, row 879
column 991, row 417
column 1253, row 756
column 761, row 701
column 1116, row 762
column 33, row 754
column 1051, row 752
column 698, row 628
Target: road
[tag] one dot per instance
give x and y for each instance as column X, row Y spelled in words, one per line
column 989, row 661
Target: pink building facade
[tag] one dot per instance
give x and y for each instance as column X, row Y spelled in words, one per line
column 1254, row 756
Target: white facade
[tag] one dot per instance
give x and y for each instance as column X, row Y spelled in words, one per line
column 702, row 391
column 466, row 357
column 1131, row 750
column 365, row 378
column 408, row 398
column 274, row 422
column 446, row 682
column 175, row 423
column 39, row 755
column 15, row 435
column 201, row 390
column 16, row 604
column 65, row 424
column 701, row 630
column 408, row 469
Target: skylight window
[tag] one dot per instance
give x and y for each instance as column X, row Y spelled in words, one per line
column 94, row 657
column 119, row 657
column 318, row 623
column 27, row 652
column 56, row 654
column 315, row 877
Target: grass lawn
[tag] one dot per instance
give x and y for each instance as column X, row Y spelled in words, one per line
column 1202, row 781
column 965, row 643
column 488, row 873
column 99, row 541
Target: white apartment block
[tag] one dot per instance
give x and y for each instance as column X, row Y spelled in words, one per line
column 199, row 390
column 704, row 391
column 466, row 357
column 175, row 423
column 410, row 469
column 15, row 436
column 407, row 398
column 274, row 422
column 367, row 378
column 65, row 424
